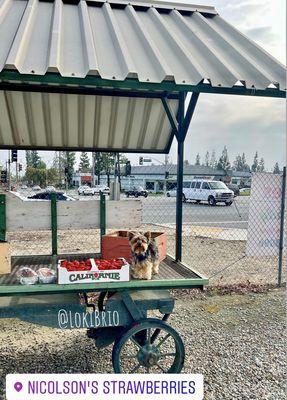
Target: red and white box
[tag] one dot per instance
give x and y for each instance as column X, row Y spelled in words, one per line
column 93, row 275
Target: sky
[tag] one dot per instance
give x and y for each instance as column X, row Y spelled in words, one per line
column 243, row 124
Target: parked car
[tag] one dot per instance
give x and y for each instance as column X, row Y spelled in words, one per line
column 211, row 191
column 36, row 188
column 50, row 189
column 101, row 189
column 234, row 188
column 24, row 187
column 86, row 190
column 136, row 192
column 60, row 196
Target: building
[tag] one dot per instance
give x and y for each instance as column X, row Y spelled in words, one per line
column 154, row 177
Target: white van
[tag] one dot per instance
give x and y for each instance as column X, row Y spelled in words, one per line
column 206, row 190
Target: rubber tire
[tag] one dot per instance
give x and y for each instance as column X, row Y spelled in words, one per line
column 228, row 203
column 168, row 194
column 145, row 324
column 136, row 195
column 211, row 201
column 127, row 195
column 145, row 195
column 184, row 200
column 197, row 201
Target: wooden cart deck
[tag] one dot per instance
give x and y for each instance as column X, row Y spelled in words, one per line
column 172, row 275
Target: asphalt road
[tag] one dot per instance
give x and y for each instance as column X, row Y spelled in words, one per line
column 162, row 210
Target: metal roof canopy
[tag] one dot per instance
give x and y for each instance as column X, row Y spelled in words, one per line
column 107, row 76
column 113, row 76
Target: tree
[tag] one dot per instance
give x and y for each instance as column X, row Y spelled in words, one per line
column 245, row 166
column 84, row 162
column 36, row 176
column 28, row 158
column 261, row 166
column 207, row 159
column 254, row 167
column 223, row 162
column 213, row 161
column 276, row 169
column 197, row 160
column 66, row 163
column 237, row 165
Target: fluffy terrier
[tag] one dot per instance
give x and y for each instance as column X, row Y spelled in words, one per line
column 145, row 261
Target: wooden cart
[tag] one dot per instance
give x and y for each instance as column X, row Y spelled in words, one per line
column 119, row 314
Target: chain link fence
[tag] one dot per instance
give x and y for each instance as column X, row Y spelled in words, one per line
column 234, row 243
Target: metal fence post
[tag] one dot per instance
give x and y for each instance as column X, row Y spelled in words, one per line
column 2, row 217
column 282, row 223
column 102, row 214
column 54, row 224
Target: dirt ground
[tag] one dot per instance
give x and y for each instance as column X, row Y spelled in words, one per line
column 236, row 341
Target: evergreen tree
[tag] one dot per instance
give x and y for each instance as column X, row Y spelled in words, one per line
column 84, row 162
column 213, row 161
column 197, row 160
column 36, row 160
column 254, row 167
column 224, row 162
column 245, row 166
column 276, row 169
column 28, row 159
column 207, row 159
column 67, row 161
column 237, row 165
column 261, row 166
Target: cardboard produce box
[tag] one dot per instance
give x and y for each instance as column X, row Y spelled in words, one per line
column 116, row 244
column 5, row 258
column 94, row 275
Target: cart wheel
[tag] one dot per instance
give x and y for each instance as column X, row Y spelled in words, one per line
column 159, row 352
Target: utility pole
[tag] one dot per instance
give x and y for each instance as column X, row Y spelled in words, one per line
column 9, row 170
column 93, row 169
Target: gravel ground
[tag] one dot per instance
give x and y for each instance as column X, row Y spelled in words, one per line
column 223, row 261
column 236, row 341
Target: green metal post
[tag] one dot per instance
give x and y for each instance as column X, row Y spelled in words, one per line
column 102, row 214
column 282, row 226
column 2, row 217
column 54, row 225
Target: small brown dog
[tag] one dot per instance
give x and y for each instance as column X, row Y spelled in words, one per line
column 145, row 260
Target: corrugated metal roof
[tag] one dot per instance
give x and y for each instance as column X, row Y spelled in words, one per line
column 76, row 121
column 152, row 41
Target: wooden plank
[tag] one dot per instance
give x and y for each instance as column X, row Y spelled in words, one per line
column 36, row 215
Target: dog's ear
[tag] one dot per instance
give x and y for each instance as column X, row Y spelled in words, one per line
column 131, row 235
column 148, row 235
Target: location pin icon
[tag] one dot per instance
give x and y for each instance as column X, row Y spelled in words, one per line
column 18, row 386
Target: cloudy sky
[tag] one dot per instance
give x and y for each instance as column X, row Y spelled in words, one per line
column 244, row 124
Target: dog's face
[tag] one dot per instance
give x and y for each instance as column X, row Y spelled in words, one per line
column 139, row 242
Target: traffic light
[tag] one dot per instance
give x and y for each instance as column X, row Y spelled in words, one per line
column 20, row 167
column 14, row 155
column 141, row 161
column 128, row 168
column 4, row 176
column 166, row 174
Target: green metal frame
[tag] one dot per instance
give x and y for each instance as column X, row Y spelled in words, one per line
column 54, row 224
column 165, row 86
